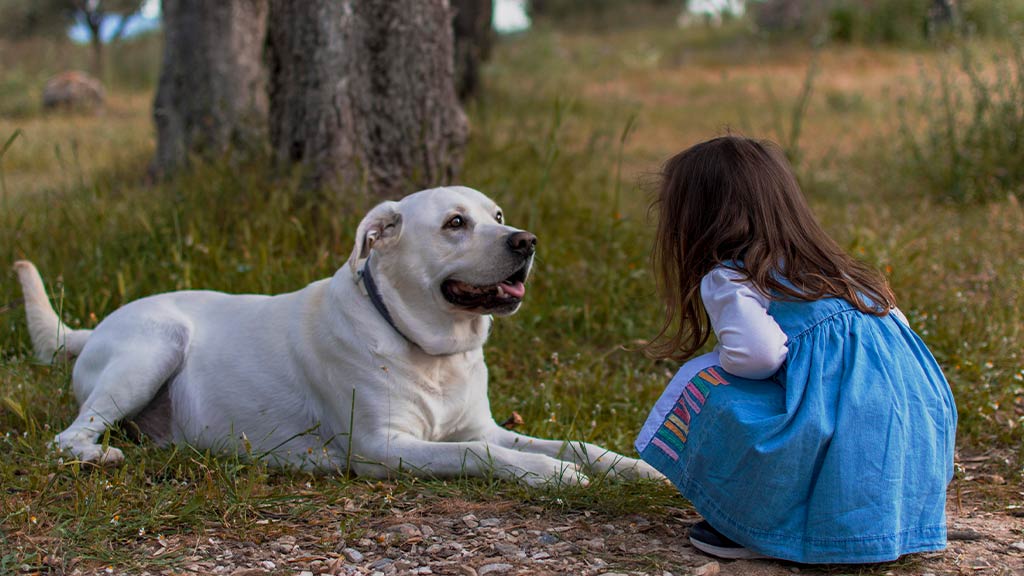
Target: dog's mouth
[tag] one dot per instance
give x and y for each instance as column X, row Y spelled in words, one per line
column 504, row 295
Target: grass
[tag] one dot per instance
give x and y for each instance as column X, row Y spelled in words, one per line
column 571, row 122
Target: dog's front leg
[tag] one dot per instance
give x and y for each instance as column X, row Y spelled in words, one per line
column 403, row 453
column 591, row 457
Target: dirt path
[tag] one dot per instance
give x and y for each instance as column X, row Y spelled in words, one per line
column 466, row 538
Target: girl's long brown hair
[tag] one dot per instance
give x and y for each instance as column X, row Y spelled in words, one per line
column 733, row 199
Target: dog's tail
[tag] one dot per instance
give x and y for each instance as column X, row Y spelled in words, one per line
column 49, row 335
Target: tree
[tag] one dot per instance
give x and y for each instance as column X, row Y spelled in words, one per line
column 212, row 88
column 92, row 14
column 473, row 37
column 22, row 18
column 362, row 92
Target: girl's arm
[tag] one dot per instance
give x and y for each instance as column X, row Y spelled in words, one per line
column 750, row 342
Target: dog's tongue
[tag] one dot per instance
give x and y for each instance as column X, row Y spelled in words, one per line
column 516, row 290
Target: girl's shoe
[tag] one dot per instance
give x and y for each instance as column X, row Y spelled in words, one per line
column 710, row 541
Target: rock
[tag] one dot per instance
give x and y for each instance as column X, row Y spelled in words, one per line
column 506, row 549
column 406, row 530
column 73, row 89
column 470, row 521
column 547, row 538
column 709, row 569
column 305, row 573
column 353, row 555
column 964, row 535
column 490, row 522
column 1019, row 546
column 267, row 564
column 426, row 531
column 497, row 568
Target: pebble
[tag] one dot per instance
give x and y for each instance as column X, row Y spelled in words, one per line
column 490, row 522
column 547, row 538
column 268, row 565
column 1018, row 545
column 353, row 555
column 709, row 569
column 305, row 573
column 506, row 549
column 407, row 530
column 497, row 568
column 470, row 521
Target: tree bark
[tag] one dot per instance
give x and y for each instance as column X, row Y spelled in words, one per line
column 212, row 89
column 473, row 37
column 362, row 93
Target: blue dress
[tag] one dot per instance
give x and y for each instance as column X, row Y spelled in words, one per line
column 843, row 456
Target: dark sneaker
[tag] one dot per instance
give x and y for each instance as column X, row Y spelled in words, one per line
column 711, row 541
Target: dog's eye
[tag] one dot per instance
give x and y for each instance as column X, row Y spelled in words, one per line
column 455, row 222
column 500, row 217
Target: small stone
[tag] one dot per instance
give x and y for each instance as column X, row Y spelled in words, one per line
column 794, row 570
column 365, row 543
column 595, row 544
column 490, row 522
column 1018, row 546
column 305, row 573
column 426, row 531
column 268, row 565
column 506, row 549
column 422, row 570
column 709, row 569
column 496, row 568
column 470, row 521
column 542, row 555
column 407, row 530
column 353, row 555
column 378, row 564
column 548, row 538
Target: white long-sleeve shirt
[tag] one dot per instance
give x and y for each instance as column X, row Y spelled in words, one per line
column 750, row 343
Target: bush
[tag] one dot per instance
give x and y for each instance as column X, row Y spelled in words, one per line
column 19, row 96
column 906, row 22
column 972, row 137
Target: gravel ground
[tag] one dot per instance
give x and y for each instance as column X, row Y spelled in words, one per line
column 458, row 537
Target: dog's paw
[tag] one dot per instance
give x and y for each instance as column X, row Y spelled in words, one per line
column 93, row 454
column 555, row 473
column 630, row 469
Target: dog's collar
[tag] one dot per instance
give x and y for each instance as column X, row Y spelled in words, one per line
column 374, row 294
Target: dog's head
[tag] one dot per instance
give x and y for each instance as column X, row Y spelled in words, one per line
column 444, row 252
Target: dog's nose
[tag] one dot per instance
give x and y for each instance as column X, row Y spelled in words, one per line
column 522, row 243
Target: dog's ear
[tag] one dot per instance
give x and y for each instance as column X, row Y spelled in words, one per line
column 380, row 227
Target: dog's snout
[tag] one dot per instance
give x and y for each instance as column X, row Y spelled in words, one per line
column 522, row 243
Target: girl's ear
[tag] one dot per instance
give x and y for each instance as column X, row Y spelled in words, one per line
column 381, row 227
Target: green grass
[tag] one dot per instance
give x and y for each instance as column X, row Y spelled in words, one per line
column 570, row 124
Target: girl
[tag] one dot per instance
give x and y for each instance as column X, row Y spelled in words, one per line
column 820, row 429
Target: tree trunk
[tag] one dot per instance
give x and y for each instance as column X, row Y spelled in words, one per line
column 473, row 36
column 96, row 41
column 212, row 90
column 362, row 93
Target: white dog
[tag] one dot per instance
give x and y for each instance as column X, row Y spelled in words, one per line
column 377, row 369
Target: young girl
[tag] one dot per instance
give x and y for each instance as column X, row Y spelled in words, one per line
column 820, row 429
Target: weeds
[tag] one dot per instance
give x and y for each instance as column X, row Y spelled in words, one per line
column 972, row 138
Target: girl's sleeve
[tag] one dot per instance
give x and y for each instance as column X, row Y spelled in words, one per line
column 750, row 342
